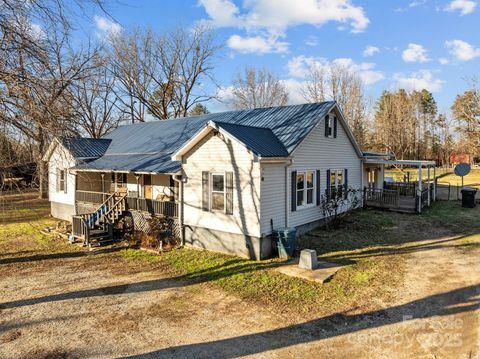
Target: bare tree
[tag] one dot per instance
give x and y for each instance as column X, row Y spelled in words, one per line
column 163, row 75
column 258, row 88
column 96, row 106
column 340, row 84
column 38, row 67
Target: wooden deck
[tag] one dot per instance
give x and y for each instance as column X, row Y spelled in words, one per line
column 399, row 200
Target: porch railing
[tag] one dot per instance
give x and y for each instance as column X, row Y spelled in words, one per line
column 422, row 200
column 165, row 208
column 407, row 189
column 90, row 197
column 381, row 197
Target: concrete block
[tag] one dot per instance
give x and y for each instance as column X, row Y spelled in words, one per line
column 308, row 259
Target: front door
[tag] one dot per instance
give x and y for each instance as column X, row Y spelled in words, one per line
column 147, row 186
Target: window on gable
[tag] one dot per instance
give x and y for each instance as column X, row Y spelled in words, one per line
column 305, row 188
column 217, row 192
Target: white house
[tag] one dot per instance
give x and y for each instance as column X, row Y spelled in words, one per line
column 228, row 178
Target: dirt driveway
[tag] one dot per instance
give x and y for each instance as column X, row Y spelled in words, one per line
column 66, row 305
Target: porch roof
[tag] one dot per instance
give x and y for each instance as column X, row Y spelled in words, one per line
column 146, row 162
column 415, row 163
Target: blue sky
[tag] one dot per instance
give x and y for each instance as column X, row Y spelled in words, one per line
column 390, row 44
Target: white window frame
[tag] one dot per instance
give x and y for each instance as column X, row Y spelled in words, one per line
column 305, row 189
column 336, row 184
column 62, row 182
column 211, row 191
column 330, row 126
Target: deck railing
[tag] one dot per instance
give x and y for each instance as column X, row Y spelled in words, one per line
column 381, row 197
column 407, row 189
column 90, row 197
column 165, row 208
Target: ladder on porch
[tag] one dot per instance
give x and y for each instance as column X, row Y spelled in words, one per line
column 97, row 227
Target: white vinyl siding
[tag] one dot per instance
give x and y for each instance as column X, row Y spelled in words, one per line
column 318, row 152
column 272, row 208
column 217, row 155
column 61, row 160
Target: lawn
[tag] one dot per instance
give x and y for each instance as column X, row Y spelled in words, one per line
column 399, row 174
column 371, row 244
column 471, row 180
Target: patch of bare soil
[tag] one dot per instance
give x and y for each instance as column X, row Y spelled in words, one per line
column 95, row 306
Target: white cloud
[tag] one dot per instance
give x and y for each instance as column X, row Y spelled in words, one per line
column 311, row 41
column 415, row 53
column 299, row 67
column 107, row 26
column 270, row 19
column 464, row 6
column 443, row 61
column 370, row 51
column 257, row 44
column 419, row 80
column 462, row 50
column 37, row 31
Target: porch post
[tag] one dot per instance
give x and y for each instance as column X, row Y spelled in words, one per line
column 137, row 178
column 428, row 185
column 434, row 183
column 103, row 185
column 419, row 192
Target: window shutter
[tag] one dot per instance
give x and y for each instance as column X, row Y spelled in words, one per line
column 229, row 192
column 335, row 127
column 328, row 184
column 318, row 188
column 345, row 175
column 326, row 126
column 205, row 191
column 294, row 191
column 65, row 180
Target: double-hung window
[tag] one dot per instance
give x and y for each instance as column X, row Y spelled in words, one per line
column 337, row 181
column 62, row 187
column 217, row 192
column 305, row 188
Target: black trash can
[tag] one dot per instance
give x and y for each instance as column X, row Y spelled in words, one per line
column 468, row 197
column 286, row 239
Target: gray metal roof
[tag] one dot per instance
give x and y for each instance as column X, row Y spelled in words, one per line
column 280, row 126
column 85, row 147
column 261, row 141
column 155, row 163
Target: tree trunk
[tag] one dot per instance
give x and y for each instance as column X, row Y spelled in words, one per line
column 41, row 167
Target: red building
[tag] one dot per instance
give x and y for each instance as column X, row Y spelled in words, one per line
column 460, row 158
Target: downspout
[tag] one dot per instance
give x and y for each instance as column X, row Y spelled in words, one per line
column 290, row 162
column 181, row 207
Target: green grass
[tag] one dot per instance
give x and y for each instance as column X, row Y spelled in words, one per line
column 399, row 174
column 471, row 180
column 371, row 244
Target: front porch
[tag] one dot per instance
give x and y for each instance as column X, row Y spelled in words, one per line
column 106, row 201
column 409, row 197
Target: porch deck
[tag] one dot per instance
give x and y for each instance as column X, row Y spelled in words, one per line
column 399, row 197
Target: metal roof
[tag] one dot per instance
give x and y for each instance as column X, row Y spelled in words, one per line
column 261, row 141
column 85, row 147
column 279, row 126
column 154, row 163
